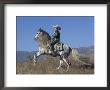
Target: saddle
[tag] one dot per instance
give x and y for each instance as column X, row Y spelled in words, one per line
column 58, row 46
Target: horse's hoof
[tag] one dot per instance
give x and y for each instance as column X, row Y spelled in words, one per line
column 69, row 64
column 57, row 68
column 67, row 70
column 34, row 64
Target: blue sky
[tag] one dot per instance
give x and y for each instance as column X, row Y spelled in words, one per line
column 77, row 31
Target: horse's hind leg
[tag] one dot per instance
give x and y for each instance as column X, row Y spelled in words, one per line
column 69, row 62
column 66, row 63
column 60, row 64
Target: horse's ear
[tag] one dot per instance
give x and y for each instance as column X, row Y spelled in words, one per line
column 39, row 30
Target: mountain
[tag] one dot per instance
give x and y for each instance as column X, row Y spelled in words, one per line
column 22, row 56
column 86, row 50
column 86, row 53
column 25, row 55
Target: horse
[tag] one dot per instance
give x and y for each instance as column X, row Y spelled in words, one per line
column 62, row 50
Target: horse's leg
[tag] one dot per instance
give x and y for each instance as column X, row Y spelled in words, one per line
column 69, row 62
column 34, row 59
column 60, row 64
column 64, row 59
column 35, row 56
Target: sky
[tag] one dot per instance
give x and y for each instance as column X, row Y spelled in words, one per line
column 76, row 31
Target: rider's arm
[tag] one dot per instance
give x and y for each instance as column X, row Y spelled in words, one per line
column 55, row 34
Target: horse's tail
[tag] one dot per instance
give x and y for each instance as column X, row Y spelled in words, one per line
column 76, row 57
column 75, row 54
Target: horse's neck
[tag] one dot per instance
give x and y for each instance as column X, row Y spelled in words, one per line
column 45, row 40
column 48, row 42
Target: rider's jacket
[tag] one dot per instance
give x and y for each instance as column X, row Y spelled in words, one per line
column 56, row 36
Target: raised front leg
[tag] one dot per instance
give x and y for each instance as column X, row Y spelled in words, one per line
column 34, row 59
column 36, row 55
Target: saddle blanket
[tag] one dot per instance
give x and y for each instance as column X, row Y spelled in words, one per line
column 59, row 46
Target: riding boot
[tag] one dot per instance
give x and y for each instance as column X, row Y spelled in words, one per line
column 52, row 49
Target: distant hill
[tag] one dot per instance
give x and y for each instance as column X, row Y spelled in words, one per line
column 22, row 56
column 86, row 50
column 86, row 53
column 25, row 55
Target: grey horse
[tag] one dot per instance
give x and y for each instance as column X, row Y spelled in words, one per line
column 44, row 39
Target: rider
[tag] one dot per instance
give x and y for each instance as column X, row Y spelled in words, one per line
column 55, row 37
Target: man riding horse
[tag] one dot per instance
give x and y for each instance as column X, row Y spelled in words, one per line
column 55, row 37
column 62, row 50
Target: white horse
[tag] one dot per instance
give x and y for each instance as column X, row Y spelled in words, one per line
column 62, row 50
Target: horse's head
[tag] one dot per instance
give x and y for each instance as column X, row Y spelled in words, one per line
column 39, row 34
column 42, row 37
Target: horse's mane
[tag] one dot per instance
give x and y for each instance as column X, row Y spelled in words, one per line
column 43, row 40
column 41, row 30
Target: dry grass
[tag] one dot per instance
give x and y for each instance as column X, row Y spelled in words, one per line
column 49, row 67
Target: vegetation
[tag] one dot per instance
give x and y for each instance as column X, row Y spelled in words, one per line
column 49, row 67
column 48, row 64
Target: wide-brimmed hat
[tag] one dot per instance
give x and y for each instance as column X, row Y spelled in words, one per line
column 57, row 27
